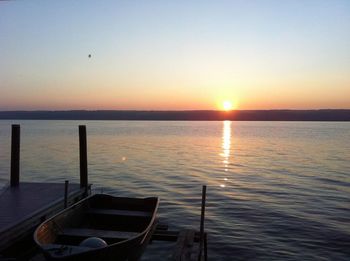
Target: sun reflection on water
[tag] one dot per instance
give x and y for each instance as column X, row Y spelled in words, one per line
column 226, row 146
column 226, row 139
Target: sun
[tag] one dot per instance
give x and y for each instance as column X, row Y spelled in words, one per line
column 227, row 105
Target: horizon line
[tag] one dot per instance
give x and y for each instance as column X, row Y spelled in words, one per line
column 194, row 115
column 170, row 110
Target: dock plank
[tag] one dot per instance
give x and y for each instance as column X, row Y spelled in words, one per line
column 184, row 244
column 28, row 204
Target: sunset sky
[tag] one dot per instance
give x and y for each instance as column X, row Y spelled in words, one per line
column 174, row 55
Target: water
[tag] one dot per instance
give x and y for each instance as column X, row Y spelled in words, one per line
column 276, row 190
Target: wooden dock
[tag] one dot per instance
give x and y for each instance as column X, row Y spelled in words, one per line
column 187, row 243
column 27, row 205
column 24, row 205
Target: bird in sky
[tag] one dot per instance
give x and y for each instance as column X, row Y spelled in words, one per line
column 89, row 56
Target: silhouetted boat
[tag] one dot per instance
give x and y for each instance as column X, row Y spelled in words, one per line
column 117, row 228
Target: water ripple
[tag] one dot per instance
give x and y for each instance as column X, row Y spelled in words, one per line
column 276, row 190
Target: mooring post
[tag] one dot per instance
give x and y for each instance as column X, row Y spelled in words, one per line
column 201, row 233
column 83, row 158
column 205, row 247
column 15, row 153
column 66, row 182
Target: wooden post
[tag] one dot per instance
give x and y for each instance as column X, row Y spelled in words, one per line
column 205, row 247
column 201, row 235
column 15, row 155
column 66, row 182
column 83, row 158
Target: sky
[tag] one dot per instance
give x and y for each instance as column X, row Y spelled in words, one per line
column 174, row 55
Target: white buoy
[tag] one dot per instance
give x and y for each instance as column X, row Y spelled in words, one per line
column 93, row 242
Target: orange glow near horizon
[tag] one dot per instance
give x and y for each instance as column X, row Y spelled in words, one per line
column 193, row 60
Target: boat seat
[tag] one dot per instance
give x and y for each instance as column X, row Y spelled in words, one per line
column 119, row 212
column 88, row 232
column 63, row 250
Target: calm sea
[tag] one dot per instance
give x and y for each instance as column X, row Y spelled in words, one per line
column 276, row 190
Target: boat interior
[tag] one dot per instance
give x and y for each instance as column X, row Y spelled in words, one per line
column 109, row 218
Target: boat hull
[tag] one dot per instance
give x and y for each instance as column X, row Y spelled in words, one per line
column 126, row 224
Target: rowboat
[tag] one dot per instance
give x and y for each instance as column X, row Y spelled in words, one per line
column 99, row 227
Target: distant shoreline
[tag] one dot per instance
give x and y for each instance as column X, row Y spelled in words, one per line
column 190, row 115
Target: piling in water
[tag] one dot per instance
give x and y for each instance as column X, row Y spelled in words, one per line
column 83, row 157
column 15, row 155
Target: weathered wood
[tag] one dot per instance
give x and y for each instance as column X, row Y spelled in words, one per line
column 205, row 247
column 119, row 212
column 15, row 155
column 184, row 244
column 24, row 207
column 187, row 251
column 83, row 157
column 180, row 244
column 88, row 232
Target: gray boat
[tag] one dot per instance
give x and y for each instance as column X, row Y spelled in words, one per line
column 100, row 227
